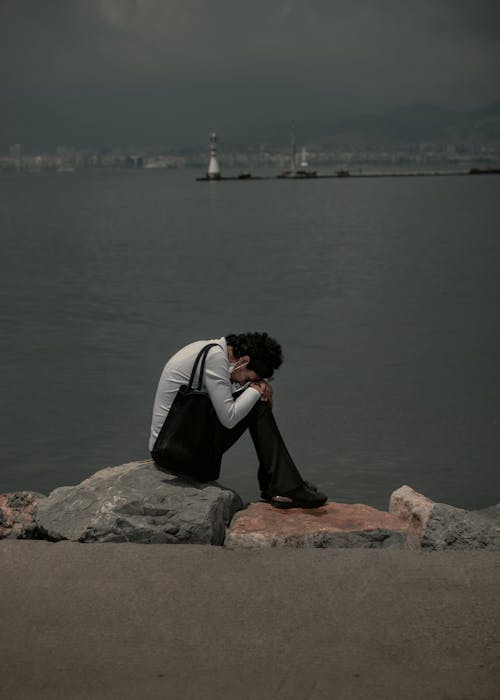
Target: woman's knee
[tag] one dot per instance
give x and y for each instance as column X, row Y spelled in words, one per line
column 262, row 408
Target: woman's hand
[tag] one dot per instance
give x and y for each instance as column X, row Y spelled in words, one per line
column 266, row 391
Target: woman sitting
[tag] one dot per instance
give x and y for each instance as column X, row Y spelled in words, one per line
column 236, row 376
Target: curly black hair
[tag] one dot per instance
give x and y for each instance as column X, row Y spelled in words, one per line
column 265, row 352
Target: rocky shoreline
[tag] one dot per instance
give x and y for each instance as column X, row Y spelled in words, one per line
column 136, row 502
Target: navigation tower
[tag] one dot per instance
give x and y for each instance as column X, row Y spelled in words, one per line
column 213, row 168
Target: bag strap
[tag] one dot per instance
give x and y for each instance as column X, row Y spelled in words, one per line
column 202, row 355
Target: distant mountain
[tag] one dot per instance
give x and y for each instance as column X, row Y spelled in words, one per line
column 482, row 124
column 408, row 124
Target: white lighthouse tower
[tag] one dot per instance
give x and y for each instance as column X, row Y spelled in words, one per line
column 213, row 168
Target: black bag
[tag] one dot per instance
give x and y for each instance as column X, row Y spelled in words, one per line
column 186, row 442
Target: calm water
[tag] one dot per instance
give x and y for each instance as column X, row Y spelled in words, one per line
column 383, row 292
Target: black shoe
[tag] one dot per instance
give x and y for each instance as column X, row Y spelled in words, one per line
column 301, row 497
column 266, row 495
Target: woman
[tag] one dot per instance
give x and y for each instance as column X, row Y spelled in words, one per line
column 236, row 378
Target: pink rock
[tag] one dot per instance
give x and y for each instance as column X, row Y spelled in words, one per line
column 17, row 514
column 332, row 525
column 412, row 507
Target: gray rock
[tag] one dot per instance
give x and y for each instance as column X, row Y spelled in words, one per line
column 454, row 528
column 491, row 513
column 438, row 526
column 136, row 502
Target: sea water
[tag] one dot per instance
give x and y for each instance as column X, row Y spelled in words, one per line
column 384, row 293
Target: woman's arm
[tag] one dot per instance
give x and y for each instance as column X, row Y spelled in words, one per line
column 217, row 381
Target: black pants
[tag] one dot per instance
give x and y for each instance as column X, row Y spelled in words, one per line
column 277, row 472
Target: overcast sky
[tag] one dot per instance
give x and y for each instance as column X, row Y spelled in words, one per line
column 110, row 72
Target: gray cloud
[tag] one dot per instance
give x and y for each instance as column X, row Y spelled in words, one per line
column 191, row 60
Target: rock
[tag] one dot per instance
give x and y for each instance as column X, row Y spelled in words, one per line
column 17, row 514
column 413, row 508
column 137, row 502
column 438, row 526
column 491, row 513
column 332, row 525
column 454, row 528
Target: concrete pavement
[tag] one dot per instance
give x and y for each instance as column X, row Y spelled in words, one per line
column 187, row 622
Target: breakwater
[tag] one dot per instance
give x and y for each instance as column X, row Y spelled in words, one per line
column 347, row 174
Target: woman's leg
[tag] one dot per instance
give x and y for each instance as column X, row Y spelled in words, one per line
column 277, row 470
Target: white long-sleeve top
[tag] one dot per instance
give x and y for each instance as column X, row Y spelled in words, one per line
column 216, row 381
